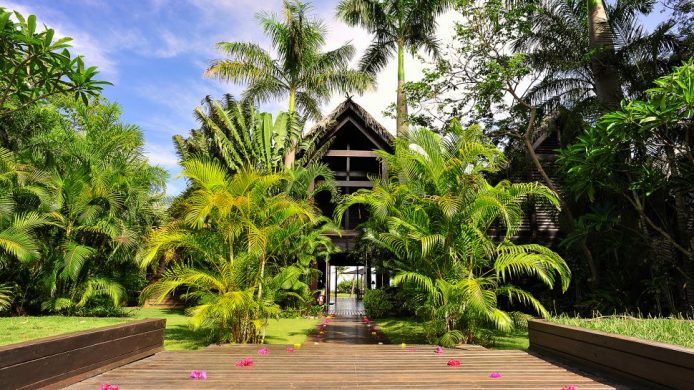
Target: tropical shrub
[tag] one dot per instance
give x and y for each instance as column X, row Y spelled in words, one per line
column 435, row 213
column 241, row 245
column 377, row 303
column 75, row 197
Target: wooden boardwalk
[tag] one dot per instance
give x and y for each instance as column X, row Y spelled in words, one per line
column 337, row 361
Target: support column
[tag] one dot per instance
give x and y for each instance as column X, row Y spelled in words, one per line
column 335, row 291
column 368, row 275
column 327, row 287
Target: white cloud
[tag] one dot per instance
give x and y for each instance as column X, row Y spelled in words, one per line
column 161, row 155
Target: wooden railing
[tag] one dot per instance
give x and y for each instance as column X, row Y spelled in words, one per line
column 644, row 363
column 55, row 362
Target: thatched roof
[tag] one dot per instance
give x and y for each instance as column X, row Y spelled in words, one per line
column 326, row 125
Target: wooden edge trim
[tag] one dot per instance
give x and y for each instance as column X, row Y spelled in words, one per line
column 99, row 368
column 667, row 353
column 38, row 348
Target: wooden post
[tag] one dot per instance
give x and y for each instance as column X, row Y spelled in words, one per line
column 368, row 275
column 327, row 287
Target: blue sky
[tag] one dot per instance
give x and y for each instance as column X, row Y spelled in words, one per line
column 155, row 51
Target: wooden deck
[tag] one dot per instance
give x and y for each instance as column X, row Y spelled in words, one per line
column 343, row 366
column 347, row 356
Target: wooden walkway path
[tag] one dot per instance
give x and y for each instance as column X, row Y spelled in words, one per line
column 347, row 355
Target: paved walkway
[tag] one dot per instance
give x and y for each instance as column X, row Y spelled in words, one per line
column 346, row 356
column 347, row 307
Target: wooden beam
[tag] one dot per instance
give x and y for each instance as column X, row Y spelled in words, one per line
column 350, row 153
column 354, row 183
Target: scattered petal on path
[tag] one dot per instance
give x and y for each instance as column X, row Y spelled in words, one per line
column 439, row 349
column 454, row 363
column 495, row 375
column 198, row 374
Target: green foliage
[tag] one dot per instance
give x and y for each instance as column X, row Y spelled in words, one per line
column 234, row 133
column 434, row 215
column 345, row 286
column 301, row 71
column 5, row 297
column 74, row 204
column 35, row 65
column 642, row 153
column 377, row 303
column 241, row 245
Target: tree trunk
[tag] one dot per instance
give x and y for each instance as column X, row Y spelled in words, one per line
column 607, row 86
column 401, row 104
column 290, row 156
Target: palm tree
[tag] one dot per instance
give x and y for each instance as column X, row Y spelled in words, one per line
column 607, row 84
column 436, row 214
column 623, row 58
column 397, row 26
column 301, row 72
column 240, row 241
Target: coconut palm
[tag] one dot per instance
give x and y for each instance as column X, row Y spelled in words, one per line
column 436, row 214
column 624, row 59
column 397, row 26
column 301, row 72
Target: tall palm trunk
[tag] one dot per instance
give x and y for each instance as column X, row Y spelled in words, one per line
column 607, row 85
column 290, row 156
column 401, row 104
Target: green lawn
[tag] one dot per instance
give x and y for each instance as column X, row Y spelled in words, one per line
column 676, row 331
column 179, row 336
column 18, row 329
column 409, row 331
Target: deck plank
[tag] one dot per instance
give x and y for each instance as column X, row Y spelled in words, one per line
column 345, row 366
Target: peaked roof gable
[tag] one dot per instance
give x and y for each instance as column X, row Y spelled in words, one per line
column 329, row 124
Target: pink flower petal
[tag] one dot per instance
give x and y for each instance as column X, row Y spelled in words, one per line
column 439, row 349
column 198, row 374
column 263, row 351
column 290, row 349
column 454, row 363
column 247, row 362
column 569, row 387
column 495, row 375
column 107, row 386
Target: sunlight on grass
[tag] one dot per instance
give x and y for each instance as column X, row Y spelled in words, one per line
column 19, row 329
column 289, row 330
column 678, row 331
column 179, row 335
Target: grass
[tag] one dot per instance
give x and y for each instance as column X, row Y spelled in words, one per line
column 18, row 329
column 409, row 331
column 289, row 330
column 345, row 295
column 677, row 331
column 179, row 336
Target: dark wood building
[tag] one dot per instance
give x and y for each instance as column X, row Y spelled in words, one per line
column 348, row 138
